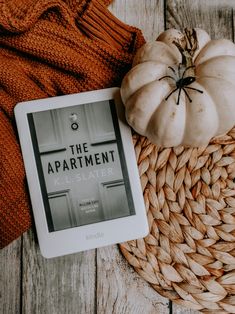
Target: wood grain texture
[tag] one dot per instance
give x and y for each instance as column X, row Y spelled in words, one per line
column 215, row 16
column 148, row 15
column 57, row 286
column 176, row 309
column 120, row 290
column 233, row 22
column 10, row 278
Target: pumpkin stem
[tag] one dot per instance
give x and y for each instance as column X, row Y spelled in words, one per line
column 187, row 47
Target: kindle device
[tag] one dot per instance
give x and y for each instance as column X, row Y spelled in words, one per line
column 81, row 171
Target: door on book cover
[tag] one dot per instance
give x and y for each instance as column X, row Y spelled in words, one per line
column 61, row 210
column 114, row 204
column 83, row 174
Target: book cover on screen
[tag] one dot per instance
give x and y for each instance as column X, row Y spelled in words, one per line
column 81, row 165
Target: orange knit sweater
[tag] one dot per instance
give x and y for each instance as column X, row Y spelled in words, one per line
column 48, row 48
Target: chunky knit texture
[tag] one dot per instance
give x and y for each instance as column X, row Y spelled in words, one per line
column 49, row 48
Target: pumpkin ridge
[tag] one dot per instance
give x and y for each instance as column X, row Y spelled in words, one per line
column 138, row 98
column 227, row 64
column 214, row 77
column 216, row 48
column 231, row 114
column 159, row 52
column 136, row 78
column 202, row 117
column 167, row 118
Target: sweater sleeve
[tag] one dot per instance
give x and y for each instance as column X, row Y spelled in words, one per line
column 18, row 16
column 97, row 22
column 92, row 17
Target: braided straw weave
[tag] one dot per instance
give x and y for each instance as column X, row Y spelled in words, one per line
column 189, row 255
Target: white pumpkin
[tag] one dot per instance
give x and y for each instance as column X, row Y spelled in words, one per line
column 181, row 89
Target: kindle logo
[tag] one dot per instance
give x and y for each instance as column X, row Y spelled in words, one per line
column 97, row 235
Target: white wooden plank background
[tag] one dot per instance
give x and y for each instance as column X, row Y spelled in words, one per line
column 101, row 281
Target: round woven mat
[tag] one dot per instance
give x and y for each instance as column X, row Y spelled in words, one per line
column 189, row 255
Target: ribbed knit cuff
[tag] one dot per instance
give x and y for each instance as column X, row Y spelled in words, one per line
column 97, row 22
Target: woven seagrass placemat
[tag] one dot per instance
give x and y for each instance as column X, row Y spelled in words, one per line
column 189, row 255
